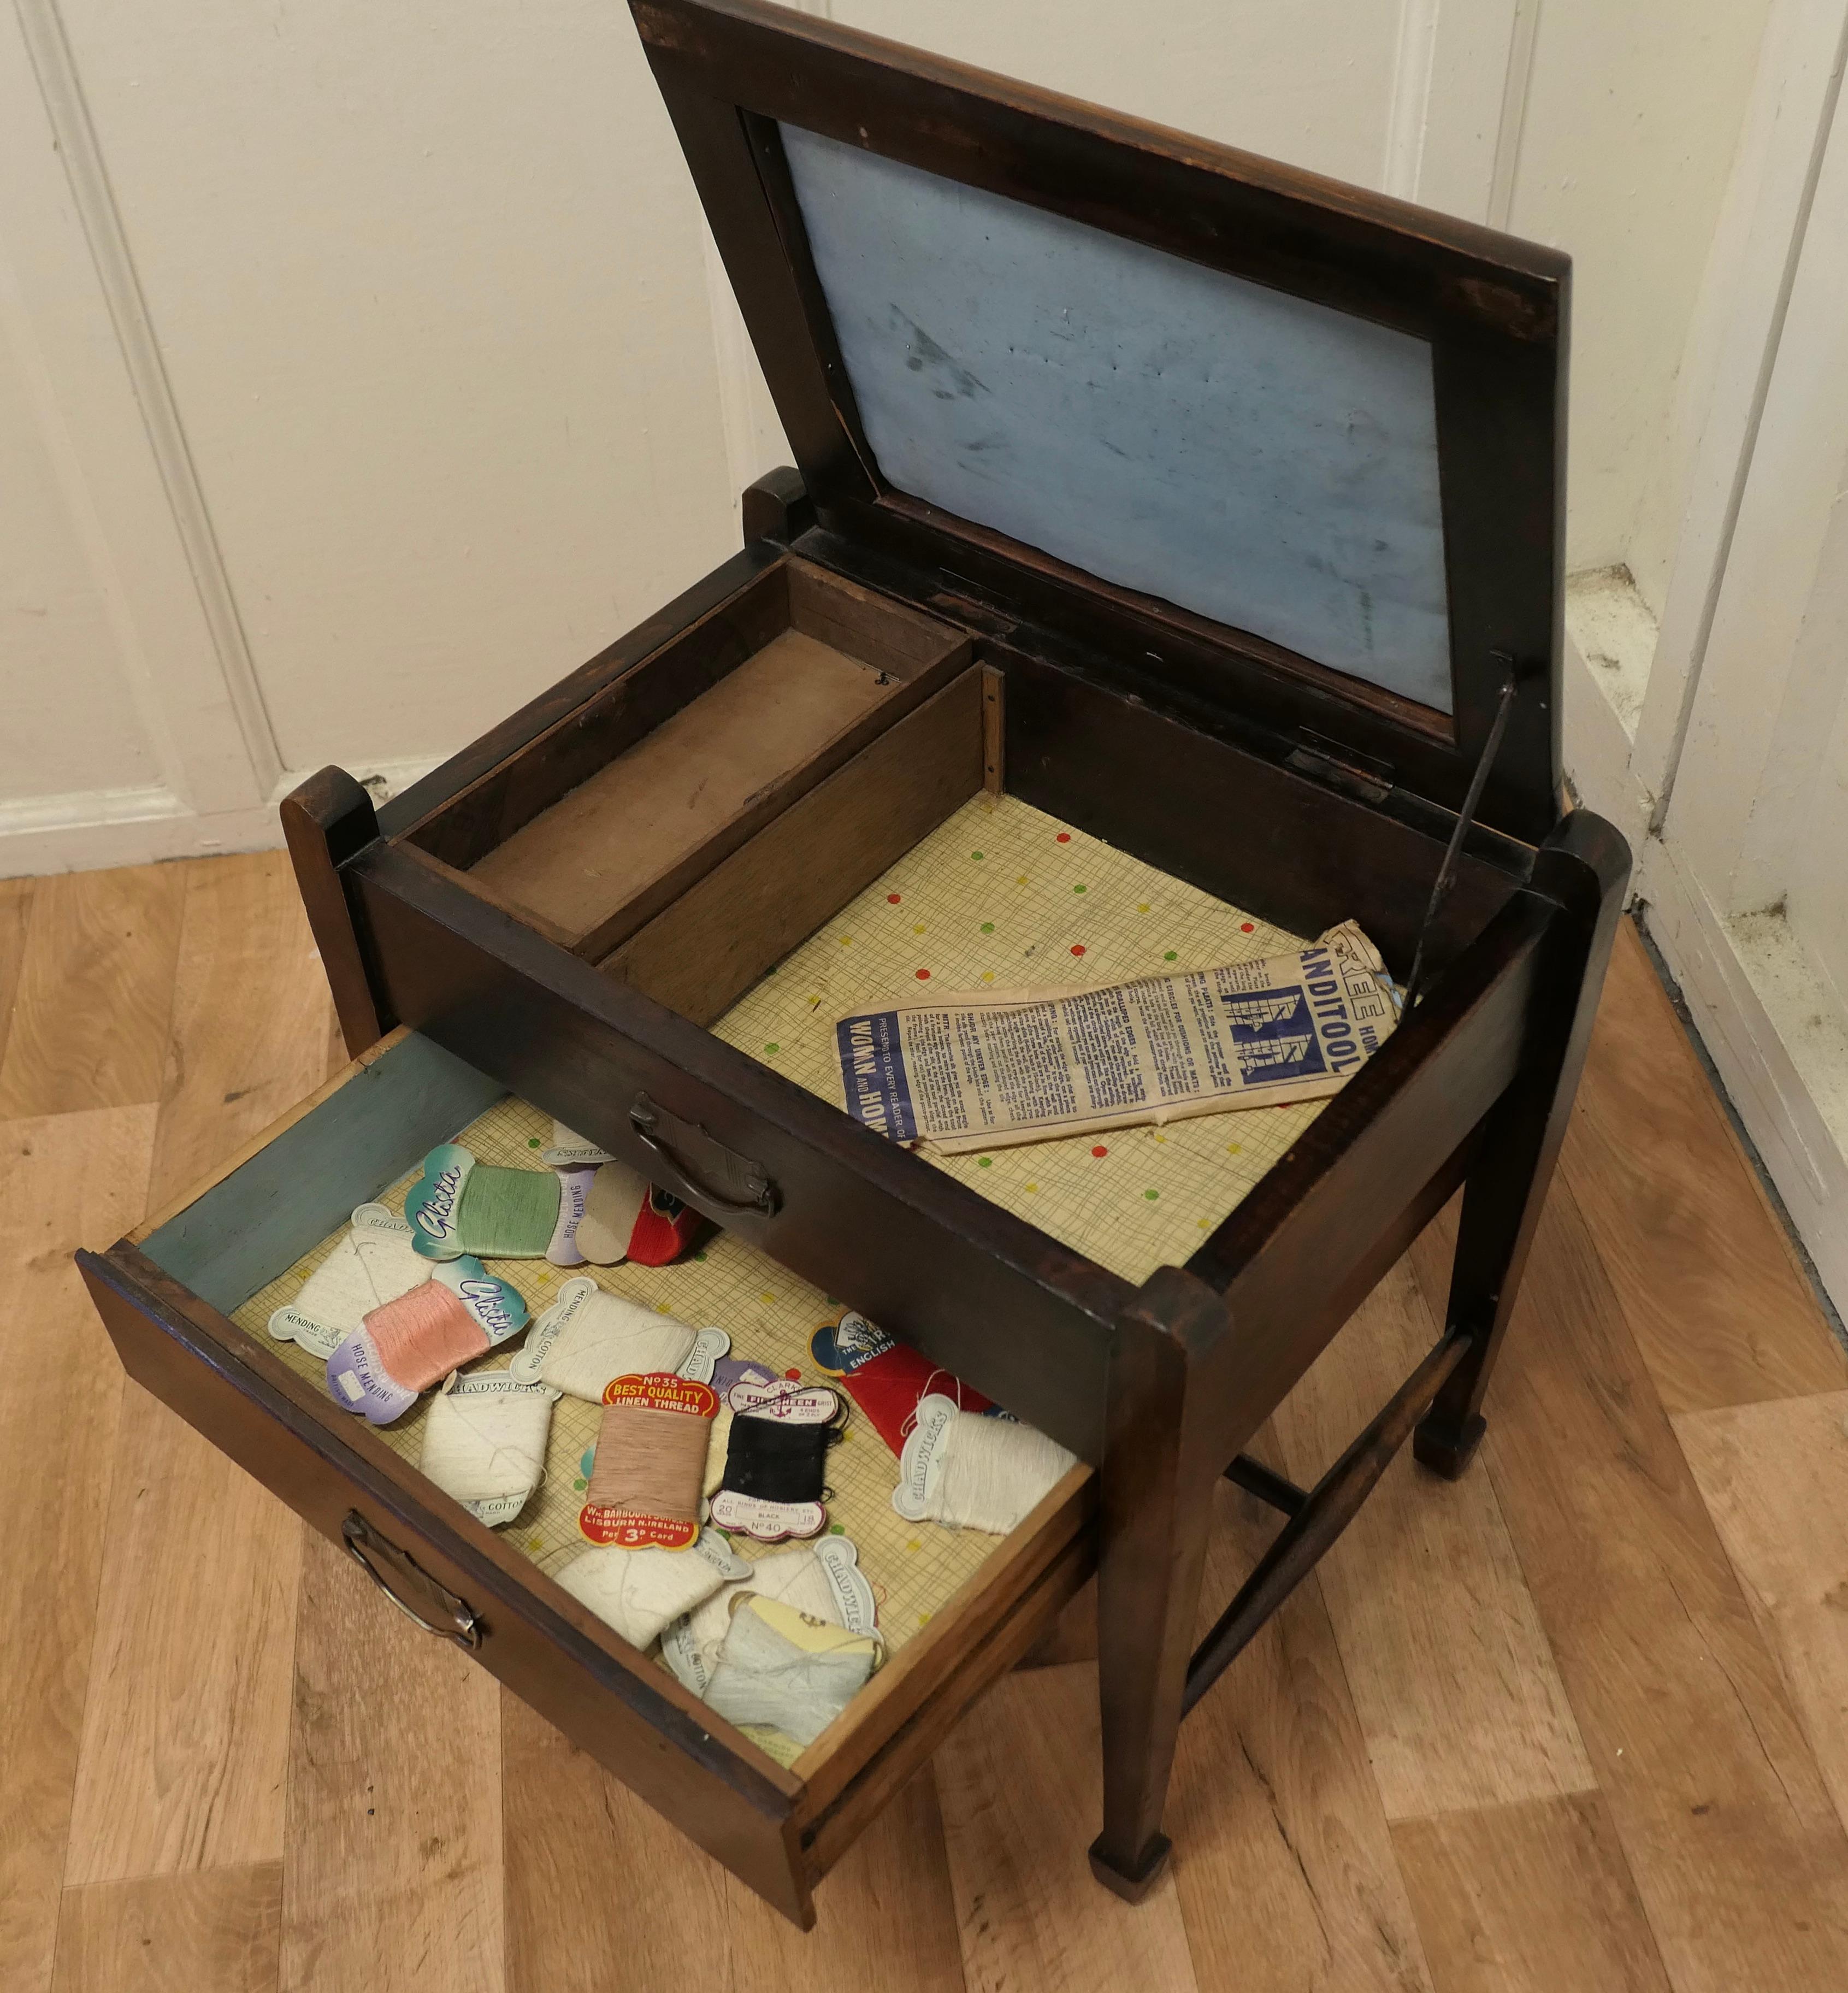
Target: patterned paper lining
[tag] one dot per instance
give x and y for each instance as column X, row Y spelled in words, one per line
column 1003, row 895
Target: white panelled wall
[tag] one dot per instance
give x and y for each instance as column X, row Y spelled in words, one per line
column 364, row 369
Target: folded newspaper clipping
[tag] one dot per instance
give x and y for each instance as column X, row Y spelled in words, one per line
column 999, row 1067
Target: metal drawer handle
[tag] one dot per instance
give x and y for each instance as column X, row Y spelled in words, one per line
column 649, row 1122
column 463, row 1628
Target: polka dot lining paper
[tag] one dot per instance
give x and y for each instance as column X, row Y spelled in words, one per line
column 1003, row 894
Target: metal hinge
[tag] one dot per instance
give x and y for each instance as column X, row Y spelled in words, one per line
column 1339, row 767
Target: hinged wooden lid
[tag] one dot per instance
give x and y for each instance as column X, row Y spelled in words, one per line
column 1291, row 452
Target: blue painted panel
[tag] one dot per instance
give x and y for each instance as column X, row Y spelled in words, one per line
column 1255, row 458
column 290, row 1194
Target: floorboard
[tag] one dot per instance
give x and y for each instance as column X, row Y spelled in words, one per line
column 1519, row 1899
column 1737, row 1855
column 215, row 1932
column 95, row 992
column 1285, row 1868
column 186, row 1735
column 71, row 1180
column 391, row 1879
column 600, row 1893
column 1708, row 1283
column 1775, row 1478
column 1458, row 1696
column 1021, row 1786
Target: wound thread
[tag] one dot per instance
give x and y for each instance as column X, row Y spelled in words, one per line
column 649, row 1462
column 994, row 1471
column 776, row 1460
column 508, row 1214
column 424, row 1335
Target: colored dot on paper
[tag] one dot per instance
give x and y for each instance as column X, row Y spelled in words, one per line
column 1078, row 947
column 1033, row 1186
column 838, row 1528
column 923, row 975
column 988, row 976
column 976, row 856
column 919, row 928
column 1065, row 837
column 773, row 1049
column 1151, row 1195
column 1021, row 880
column 985, row 1162
column 1235, row 1148
column 1100, row 1150
column 846, row 941
column 532, row 1141
column 766, row 1297
column 1246, row 927
column 988, row 927
column 1077, row 889
column 1143, row 908
column 892, row 899
column 1169, row 956
column 700, row 1255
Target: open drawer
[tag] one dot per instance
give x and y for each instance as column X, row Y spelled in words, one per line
column 185, row 1299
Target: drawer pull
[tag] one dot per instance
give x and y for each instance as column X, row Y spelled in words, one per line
column 744, row 1189
column 455, row 1622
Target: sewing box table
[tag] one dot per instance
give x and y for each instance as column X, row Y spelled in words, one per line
column 1206, row 507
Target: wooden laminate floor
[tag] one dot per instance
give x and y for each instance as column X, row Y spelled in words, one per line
column 1579, row 1721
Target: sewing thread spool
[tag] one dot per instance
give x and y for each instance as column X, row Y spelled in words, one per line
column 509, row 1214
column 777, row 1462
column 606, row 1336
column 972, row 1472
column 886, row 1378
column 424, row 1335
column 777, row 1668
column 484, row 1443
column 646, row 1480
column 640, row 1591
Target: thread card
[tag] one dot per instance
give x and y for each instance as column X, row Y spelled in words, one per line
column 374, row 1263
column 786, row 1399
column 360, row 1375
column 709, row 1346
column 635, row 1528
column 768, row 1522
column 433, row 1204
column 484, row 1443
column 921, row 1465
column 572, row 1152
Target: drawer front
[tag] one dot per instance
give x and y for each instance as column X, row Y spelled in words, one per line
column 261, row 1417
column 860, row 1217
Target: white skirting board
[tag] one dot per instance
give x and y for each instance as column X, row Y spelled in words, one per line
column 1780, row 1052
column 93, row 829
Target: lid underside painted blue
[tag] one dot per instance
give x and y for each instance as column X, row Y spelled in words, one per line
column 1257, row 459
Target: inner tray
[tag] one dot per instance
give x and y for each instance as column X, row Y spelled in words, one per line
column 1003, row 896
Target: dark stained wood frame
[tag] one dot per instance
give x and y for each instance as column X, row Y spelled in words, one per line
column 1493, row 308
column 1196, row 760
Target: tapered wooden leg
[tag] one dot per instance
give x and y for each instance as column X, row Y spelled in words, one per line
column 1155, row 1497
column 1584, row 866
column 325, row 823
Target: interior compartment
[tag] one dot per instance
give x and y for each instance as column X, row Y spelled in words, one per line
column 914, row 863
column 248, row 1245
column 620, row 808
